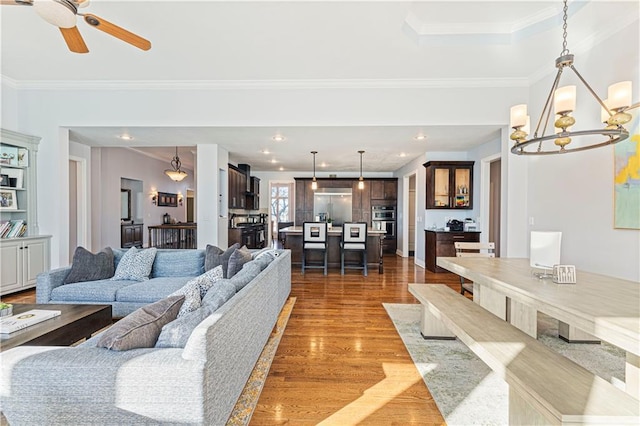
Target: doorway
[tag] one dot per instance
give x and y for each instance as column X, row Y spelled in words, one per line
column 78, row 205
column 412, row 215
column 495, row 186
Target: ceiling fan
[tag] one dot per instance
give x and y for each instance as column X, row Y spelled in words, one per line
column 62, row 14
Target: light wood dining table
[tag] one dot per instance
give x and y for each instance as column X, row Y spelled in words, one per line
column 596, row 305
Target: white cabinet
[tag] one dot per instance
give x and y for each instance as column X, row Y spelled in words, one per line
column 22, row 259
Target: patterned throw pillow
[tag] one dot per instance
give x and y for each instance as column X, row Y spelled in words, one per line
column 87, row 266
column 135, row 265
column 196, row 288
column 141, row 328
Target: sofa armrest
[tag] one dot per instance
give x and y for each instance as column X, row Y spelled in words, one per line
column 47, row 281
column 55, row 385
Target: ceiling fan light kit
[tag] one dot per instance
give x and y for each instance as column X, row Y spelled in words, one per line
column 62, row 14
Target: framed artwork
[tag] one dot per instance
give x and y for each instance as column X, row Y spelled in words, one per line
column 626, row 184
column 8, row 155
column 167, row 199
column 4, row 180
column 8, row 199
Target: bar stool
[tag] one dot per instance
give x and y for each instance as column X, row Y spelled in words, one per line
column 354, row 238
column 314, row 238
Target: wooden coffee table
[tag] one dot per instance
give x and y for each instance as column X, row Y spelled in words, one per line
column 73, row 324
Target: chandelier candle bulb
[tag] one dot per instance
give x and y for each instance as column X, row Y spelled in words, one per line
column 619, row 95
column 565, row 99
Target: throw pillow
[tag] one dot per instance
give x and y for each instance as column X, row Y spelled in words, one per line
column 192, row 299
column 208, row 279
column 237, row 260
column 87, row 266
column 141, row 328
column 135, row 264
column 214, row 257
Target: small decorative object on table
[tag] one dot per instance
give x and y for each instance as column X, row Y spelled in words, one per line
column 6, row 309
column 564, row 274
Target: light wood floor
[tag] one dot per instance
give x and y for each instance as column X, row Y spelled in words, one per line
column 341, row 361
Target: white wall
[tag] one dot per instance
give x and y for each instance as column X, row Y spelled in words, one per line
column 573, row 193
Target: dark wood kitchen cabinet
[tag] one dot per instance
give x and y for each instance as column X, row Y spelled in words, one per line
column 131, row 235
column 449, row 185
column 384, row 189
column 237, row 188
column 440, row 244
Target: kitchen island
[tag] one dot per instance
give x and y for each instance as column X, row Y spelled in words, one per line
column 293, row 241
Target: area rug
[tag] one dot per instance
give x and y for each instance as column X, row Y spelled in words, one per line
column 242, row 412
column 467, row 391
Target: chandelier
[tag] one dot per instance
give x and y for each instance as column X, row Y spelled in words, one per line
column 563, row 99
column 360, row 179
column 314, row 182
column 174, row 172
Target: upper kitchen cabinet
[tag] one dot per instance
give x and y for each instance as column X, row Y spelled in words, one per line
column 384, row 189
column 449, row 184
column 237, row 188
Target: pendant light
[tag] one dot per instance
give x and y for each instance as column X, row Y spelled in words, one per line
column 174, row 172
column 563, row 99
column 360, row 179
column 314, row 183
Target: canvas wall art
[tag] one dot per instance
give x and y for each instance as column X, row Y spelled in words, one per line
column 627, row 178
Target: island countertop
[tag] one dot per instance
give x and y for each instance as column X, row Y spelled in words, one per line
column 335, row 230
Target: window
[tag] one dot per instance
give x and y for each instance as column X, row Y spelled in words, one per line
column 281, row 204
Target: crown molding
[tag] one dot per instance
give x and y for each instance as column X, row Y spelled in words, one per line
column 267, row 84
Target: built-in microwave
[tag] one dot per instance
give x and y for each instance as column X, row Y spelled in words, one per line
column 383, row 213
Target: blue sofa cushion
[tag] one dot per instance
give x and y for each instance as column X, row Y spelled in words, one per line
column 178, row 263
column 177, row 332
column 87, row 266
column 90, row 291
column 135, row 264
column 150, row 291
column 141, row 328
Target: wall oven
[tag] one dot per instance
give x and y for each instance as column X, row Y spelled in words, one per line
column 389, row 226
column 383, row 213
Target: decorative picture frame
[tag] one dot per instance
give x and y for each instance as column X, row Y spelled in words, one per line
column 8, row 199
column 8, row 155
column 167, row 199
column 4, row 180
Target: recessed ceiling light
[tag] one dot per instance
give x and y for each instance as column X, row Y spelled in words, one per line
column 266, row 152
column 402, row 154
column 420, row 137
column 323, row 164
column 281, row 168
column 273, row 161
column 278, row 137
column 126, row 137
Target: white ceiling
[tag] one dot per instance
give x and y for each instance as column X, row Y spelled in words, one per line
column 346, row 43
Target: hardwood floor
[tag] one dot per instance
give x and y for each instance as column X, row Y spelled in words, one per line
column 341, row 361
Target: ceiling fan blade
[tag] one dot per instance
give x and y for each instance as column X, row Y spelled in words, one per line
column 74, row 40
column 117, row 32
column 17, row 2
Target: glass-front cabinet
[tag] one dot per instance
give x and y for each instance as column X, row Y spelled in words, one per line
column 449, row 184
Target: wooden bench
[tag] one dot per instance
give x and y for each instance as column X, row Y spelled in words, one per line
column 544, row 386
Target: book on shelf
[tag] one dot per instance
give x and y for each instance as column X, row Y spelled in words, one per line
column 26, row 319
column 13, row 228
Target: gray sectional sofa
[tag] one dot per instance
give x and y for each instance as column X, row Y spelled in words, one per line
column 195, row 384
column 170, row 271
